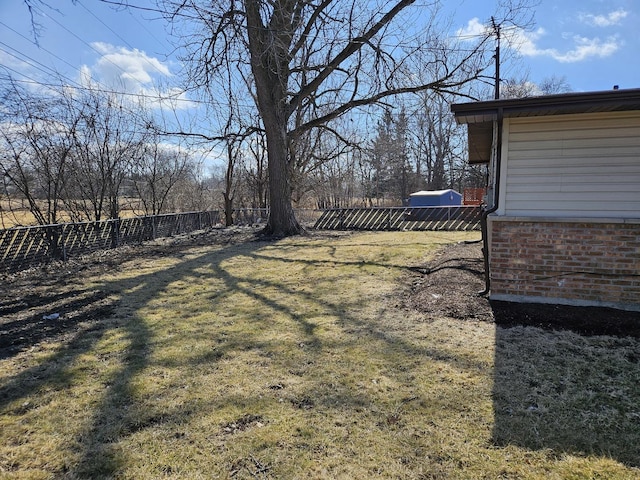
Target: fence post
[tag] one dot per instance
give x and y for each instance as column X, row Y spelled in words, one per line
column 115, row 232
column 63, row 243
column 54, row 236
column 51, row 238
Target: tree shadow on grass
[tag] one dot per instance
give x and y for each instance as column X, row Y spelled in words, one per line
column 120, row 412
column 574, row 393
column 117, row 414
column 81, row 306
column 374, row 328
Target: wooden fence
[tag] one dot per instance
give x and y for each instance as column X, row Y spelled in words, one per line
column 24, row 247
column 459, row 218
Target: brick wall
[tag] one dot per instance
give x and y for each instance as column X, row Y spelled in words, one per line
column 577, row 262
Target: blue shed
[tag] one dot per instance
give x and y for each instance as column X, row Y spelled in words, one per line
column 435, row 198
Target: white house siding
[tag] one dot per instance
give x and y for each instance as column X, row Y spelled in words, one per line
column 572, row 166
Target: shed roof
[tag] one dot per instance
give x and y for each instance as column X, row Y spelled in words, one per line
column 480, row 115
column 432, row 193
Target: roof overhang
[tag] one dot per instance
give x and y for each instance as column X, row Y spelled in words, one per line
column 479, row 116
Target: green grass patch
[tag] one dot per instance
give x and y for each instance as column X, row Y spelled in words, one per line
column 294, row 359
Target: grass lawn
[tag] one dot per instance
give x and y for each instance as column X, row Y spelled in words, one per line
column 296, row 359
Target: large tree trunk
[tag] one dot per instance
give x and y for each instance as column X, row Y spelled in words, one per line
column 282, row 220
column 269, row 49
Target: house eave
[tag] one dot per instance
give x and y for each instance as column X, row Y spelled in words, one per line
column 479, row 116
column 560, row 104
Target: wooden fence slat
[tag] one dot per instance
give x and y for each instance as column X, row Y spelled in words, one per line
column 401, row 218
column 23, row 247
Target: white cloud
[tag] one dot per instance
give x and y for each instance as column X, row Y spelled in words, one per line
column 526, row 43
column 587, row 48
column 131, row 69
column 612, row 18
column 474, row 28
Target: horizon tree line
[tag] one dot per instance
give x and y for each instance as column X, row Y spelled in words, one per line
column 307, row 67
column 82, row 155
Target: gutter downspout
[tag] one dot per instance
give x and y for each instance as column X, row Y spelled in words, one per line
column 494, row 205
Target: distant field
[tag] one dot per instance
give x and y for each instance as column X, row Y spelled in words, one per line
column 13, row 214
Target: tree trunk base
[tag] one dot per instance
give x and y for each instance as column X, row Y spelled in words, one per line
column 289, row 231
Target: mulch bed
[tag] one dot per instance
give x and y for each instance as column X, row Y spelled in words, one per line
column 449, row 286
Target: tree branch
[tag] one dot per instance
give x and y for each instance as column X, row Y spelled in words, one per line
column 353, row 46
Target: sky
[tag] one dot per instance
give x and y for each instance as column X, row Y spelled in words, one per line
column 592, row 44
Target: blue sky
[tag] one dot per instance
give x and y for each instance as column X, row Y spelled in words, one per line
column 594, row 44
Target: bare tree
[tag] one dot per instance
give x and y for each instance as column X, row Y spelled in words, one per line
column 107, row 143
column 37, row 143
column 437, row 139
column 380, row 158
column 335, row 55
column 235, row 131
column 335, row 182
column 554, row 84
column 523, row 87
column 255, row 170
column 402, row 168
column 156, row 173
column 193, row 191
column 233, row 152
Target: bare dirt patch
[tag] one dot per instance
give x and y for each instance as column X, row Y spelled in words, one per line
column 449, row 285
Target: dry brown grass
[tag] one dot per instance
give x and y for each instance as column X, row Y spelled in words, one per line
column 17, row 214
column 295, row 359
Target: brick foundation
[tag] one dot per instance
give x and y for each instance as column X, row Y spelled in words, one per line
column 574, row 262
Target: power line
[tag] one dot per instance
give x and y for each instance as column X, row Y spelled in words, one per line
column 83, row 41
column 158, row 97
column 151, row 64
column 127, row 4
column 32, row 81
column 144, row 27
column 37, row 65
column 40, row 47
column 47, row 70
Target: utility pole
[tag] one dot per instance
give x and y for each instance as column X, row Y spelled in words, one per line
column 496, row 29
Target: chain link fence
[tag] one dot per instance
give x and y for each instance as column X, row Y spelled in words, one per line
column 24, row 247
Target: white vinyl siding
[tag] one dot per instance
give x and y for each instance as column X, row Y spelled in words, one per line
column 583, row 165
